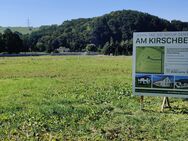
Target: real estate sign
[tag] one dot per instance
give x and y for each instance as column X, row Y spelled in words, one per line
column 160, row 64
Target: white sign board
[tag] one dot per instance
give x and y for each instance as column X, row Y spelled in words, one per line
column 160, row 64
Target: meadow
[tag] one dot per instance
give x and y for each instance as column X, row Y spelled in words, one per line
column 22, row 30
column 81, row 98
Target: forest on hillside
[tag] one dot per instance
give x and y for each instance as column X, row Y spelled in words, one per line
column 108, row 34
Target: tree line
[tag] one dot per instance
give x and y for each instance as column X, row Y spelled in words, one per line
column 109, row 34
column 11, row 42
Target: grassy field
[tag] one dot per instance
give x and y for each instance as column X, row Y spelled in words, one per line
column 150, row 59
column 23, row 30
column 81, row 98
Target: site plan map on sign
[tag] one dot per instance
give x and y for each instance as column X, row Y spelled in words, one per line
column 160, row 64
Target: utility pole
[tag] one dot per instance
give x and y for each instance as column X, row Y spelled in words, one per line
column 29, row 24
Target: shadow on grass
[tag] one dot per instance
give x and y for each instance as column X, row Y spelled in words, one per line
column 178, row 110
column 172, row 110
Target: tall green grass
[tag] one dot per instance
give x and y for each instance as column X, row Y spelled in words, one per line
column 23, row 30
column 81, row 98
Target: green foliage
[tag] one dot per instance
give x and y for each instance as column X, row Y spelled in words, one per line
column 106, row 49
column 91, row 47
column 2, row 43
column 81, row 98
column 11, row 42
column 179, row 25
column 117, row 26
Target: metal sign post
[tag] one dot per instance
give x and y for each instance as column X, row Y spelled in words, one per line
column 141, row 102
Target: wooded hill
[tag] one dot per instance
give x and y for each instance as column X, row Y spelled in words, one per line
column 110, row 33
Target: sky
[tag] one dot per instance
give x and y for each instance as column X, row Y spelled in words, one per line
column 47, row 12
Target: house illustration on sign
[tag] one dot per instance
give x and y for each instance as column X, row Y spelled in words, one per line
column 181, row 84
column 144, row 80
column 164, row 82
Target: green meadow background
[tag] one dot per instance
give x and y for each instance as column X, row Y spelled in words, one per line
column 150, row 59
column 81, row 98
